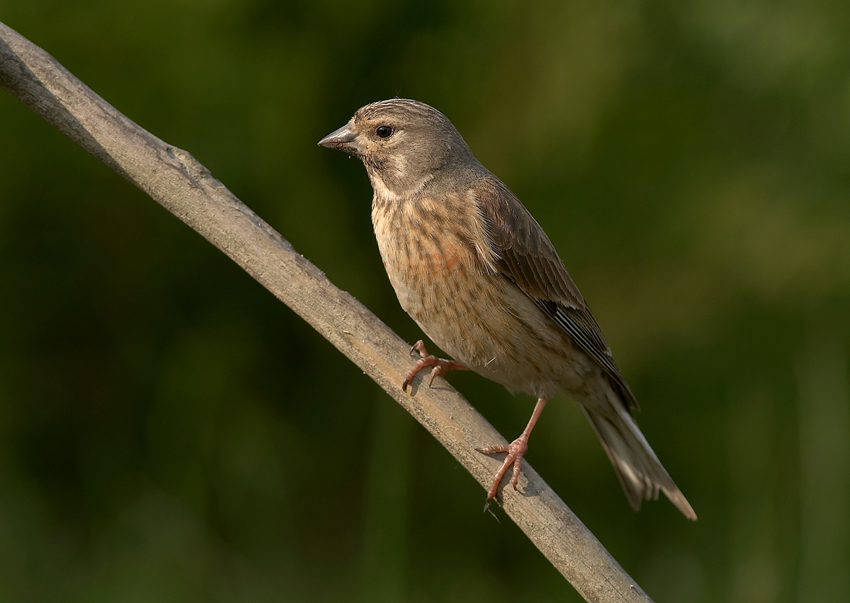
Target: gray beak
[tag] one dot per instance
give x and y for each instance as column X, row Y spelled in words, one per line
column 344, row 140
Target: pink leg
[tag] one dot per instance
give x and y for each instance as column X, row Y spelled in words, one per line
column 440, row 365
column 516, row 450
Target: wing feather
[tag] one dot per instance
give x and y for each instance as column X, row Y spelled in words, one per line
column 527, row 257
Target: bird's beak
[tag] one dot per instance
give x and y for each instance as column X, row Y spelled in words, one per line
column 344, row 139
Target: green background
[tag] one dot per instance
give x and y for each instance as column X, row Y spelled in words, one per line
column 170, row 432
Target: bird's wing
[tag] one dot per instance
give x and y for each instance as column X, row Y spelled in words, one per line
column 527, row 257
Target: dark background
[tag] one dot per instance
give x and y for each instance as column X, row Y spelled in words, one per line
column 170, row 432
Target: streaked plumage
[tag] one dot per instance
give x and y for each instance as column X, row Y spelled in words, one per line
column 478, row 274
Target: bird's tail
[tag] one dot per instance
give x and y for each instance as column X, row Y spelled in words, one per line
column 639, row 470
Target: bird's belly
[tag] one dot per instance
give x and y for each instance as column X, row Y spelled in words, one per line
column 483, row 320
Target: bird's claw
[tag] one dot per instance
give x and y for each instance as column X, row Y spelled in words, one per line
column 441, row 366
column 515, row 452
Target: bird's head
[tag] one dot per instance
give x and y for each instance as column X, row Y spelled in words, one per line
column 403, row 143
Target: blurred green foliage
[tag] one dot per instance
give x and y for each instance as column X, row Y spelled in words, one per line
column 169, row 432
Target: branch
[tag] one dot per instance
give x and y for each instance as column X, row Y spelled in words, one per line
column 174, row 179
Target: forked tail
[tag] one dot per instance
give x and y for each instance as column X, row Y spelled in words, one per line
column 639, row 470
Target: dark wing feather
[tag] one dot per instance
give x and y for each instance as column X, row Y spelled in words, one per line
column 527, row 257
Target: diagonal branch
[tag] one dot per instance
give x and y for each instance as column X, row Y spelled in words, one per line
column 174, row 179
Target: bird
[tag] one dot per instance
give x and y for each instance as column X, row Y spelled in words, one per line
column 481, row 278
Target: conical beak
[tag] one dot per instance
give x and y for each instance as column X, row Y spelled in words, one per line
column 344, row 140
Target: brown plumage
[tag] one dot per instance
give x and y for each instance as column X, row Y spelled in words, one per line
column 478, row 274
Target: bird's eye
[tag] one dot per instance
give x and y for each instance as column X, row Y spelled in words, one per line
column 384, row 131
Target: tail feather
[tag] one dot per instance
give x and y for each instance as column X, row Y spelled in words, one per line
column 639, row 470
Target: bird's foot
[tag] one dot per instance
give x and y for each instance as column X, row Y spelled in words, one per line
column 441, row 366
column 515, row 451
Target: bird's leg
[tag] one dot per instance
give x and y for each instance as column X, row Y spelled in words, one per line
column 516, row 450
column 440, row 365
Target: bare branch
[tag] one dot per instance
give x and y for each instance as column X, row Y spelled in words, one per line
column 174, row 179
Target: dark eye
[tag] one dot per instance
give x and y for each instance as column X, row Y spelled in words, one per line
column 384, row 131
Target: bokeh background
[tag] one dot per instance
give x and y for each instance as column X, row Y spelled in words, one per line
column 170, row 432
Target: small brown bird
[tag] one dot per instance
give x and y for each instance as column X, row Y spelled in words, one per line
column 477, row 273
